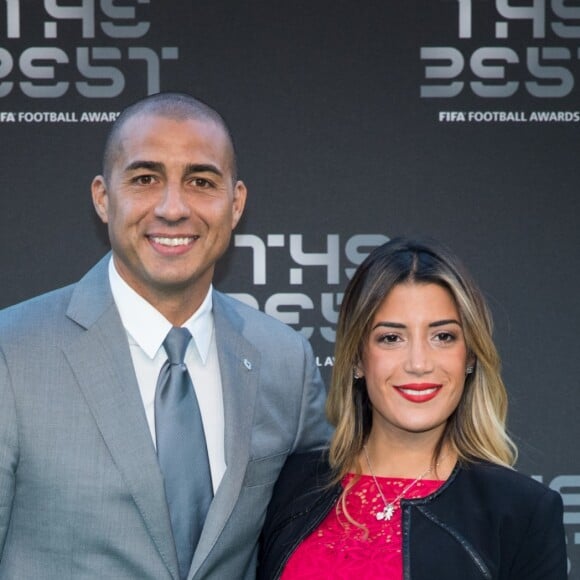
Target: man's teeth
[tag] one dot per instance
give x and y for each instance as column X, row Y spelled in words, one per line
column 172, row 241
column 416, row 392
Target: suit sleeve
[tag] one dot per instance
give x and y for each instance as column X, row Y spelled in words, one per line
column 8, row 450
column 542, row 555
column 313, row 430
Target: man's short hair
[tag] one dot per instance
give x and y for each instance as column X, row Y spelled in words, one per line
column 178, row 106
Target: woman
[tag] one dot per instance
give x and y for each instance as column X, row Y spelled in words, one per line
column 418, row 482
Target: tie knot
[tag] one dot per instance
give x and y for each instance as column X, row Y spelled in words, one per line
column 175, row 344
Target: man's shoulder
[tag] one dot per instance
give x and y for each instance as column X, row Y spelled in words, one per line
column 89, row 296
column 254, row 320
column 50, row 305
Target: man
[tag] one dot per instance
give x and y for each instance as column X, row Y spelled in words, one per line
column 91, row 468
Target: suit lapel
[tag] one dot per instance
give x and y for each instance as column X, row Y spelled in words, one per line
column 240, row 368
column 101, row 361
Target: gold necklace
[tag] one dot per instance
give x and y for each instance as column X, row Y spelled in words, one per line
column 387, row 512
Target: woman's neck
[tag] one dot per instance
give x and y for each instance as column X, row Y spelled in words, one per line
column 405, row 457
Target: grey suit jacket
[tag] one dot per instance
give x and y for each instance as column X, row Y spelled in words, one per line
column 81, row 493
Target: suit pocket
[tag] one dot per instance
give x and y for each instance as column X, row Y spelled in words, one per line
column 264, row 470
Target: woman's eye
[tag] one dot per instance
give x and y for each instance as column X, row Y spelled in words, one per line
column 445, row 337
column 389, row 338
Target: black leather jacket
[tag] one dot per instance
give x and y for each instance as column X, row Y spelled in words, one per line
column 485, row 522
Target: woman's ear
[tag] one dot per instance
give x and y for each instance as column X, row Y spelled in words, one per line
column 470, row 366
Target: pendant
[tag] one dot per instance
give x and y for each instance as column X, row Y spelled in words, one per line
column 387, row 513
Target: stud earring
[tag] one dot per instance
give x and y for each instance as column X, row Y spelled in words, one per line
column 469, row 370
column 356, row 375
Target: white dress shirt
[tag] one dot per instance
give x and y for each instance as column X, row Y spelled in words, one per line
column 146, row 330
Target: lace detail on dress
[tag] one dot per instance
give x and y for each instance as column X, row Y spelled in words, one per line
column 339, row 549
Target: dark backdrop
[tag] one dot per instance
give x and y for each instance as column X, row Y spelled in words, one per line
column 354, row 121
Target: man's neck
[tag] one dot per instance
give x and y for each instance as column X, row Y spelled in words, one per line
column 177, row 305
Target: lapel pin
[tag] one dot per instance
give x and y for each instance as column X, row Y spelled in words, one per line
column 247, row 364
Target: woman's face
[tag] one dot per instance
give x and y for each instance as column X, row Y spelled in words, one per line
column 414, row 360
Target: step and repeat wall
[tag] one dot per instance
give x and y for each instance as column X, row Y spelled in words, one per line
column 354, row 121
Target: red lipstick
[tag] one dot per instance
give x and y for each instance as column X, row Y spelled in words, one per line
column 418, row 392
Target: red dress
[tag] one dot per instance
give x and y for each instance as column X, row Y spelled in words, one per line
column 339, row 550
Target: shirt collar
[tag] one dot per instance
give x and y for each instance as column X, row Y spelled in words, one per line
column 147, row 327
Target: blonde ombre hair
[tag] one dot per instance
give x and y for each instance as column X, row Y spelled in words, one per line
column 477, row 428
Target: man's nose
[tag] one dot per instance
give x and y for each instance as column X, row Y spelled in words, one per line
column 173, row 204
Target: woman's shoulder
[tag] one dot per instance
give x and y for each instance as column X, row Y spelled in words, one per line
column 302, row 473
column 506, row 520
column 303, row 491
column 515, row 487
column 495, row 473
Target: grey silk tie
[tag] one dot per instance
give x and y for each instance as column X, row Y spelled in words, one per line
column 181, row 449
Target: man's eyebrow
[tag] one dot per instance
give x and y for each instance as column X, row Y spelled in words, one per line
column 435, row 324
column 202, row 168
column 142, row 164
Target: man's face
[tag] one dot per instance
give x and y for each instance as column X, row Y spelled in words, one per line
column 171, row 204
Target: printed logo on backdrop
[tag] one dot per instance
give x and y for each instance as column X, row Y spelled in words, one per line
column 499, row 53
column 286, row 270
column 86, row 48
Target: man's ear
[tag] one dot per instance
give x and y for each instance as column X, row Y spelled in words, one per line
column 239, row 202
column 100, row 198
